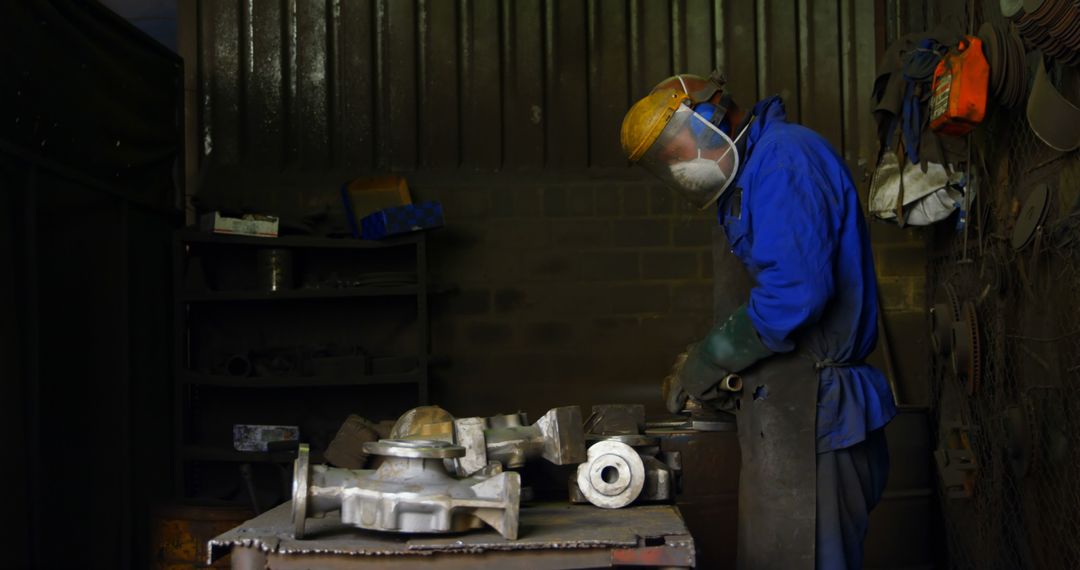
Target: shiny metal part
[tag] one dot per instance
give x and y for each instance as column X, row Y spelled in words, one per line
column 410, row 492
column 301, row 473
column 659, row 483
column 469, row 433
column 557, row 437
column 613, row 477
column 622, row 424
column 414, row 449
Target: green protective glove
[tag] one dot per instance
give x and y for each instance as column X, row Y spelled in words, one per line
column 730, row 347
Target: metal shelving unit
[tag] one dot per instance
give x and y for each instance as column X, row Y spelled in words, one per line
column 186, row 379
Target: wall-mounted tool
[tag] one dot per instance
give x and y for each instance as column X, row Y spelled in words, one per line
column 1052, row 26
column 410, row 492
column 967, row 348
column 1008, row 68
column 1031, row 217
column 943, row 317
column 956, row 461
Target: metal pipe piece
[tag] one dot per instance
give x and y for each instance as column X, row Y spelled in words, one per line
column 731, row 383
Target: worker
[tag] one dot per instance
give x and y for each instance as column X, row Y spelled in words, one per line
column 811, row 413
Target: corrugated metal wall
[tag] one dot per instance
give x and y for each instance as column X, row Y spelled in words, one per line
column 486, row 85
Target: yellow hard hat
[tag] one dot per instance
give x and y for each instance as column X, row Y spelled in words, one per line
column 645, row 121
column 700, row 89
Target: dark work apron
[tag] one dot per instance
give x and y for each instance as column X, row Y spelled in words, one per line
column 777, row 421
column 777, row 437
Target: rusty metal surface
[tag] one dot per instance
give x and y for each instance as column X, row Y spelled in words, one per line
column 674, row 553
column 544, row 527
column 488, row 85
column 707, row 494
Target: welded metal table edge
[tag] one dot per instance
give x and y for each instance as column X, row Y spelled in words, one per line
column 657, row 536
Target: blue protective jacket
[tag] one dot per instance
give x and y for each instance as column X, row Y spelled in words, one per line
column 792, row 216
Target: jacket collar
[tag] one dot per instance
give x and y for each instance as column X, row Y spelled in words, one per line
column 767, row 112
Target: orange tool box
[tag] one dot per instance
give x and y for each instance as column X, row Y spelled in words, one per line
column 960, row 88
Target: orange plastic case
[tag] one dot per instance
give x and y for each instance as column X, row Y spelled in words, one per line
column 960, row 88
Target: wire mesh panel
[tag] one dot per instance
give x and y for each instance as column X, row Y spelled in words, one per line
column 1006, row 380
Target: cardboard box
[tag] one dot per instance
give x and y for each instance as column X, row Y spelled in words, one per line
column 402, row 220
column 256, row 225
column 365, row 196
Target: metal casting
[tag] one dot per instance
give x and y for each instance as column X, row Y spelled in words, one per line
column 557, row 437
column 613, row 477
column 410, row 492
column 622, row 424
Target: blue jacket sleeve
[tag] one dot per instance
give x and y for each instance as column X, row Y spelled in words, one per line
column 794, row 228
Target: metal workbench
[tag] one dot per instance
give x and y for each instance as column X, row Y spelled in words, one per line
column 553, row 535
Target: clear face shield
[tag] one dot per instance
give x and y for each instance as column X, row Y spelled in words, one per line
column 693, row 157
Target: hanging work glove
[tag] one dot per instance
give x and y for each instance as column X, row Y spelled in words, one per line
column 731, row 346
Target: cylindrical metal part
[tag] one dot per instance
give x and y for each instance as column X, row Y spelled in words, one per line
column 731, row 383
column 614, row 475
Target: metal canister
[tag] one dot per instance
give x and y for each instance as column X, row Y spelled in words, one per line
column 275, row 269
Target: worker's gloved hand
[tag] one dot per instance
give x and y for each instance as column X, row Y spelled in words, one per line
column 671, row 388
column 729, row 347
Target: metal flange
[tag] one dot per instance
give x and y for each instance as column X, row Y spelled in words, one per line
column 301, row 474
column 613, row 476
column 414, row 449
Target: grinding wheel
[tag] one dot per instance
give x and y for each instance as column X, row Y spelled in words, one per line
column 1031, row 216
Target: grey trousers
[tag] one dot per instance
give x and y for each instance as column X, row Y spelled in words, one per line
column 850, row 482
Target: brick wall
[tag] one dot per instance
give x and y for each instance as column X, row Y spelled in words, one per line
column 567, row 292
column 900, row 257
column 583, row 292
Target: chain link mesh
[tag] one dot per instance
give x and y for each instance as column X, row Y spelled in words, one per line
column 1017, row 503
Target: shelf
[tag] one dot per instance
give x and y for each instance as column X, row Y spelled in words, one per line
column 293, row 294
column 195, row 236
column 228, row 455
column 196, row 379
